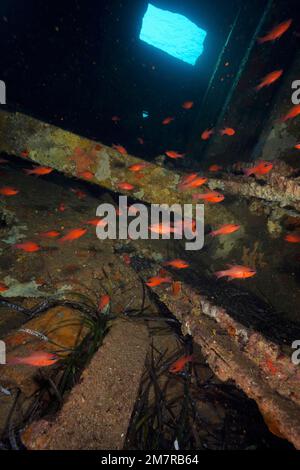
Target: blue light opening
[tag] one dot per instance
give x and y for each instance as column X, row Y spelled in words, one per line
column 173, row 33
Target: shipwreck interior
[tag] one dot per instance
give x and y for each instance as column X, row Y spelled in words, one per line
column 144, row 343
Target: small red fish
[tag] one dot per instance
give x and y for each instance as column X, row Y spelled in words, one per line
column 156, row 281
column 207, row 134
column 213, row 197
column 276, row 32
column 225, row 230
column 188, row 224
column 176, row 287
column 173, row 154
column 179, row 365
column 187, row 179
column 96, row 222
column 177, row 263
column 127, row 259
column 120, row 149
column 50, row 234
column 140, row 140
column 292, row 113
column 138, row 166
column 297, row 146
column 3, row 287
column 62, row 207
column 215, row 168
column 168, row 120
column 104, row 303
column 269, row 79
column 39, row 171
column 161, row 229
column 270, row 365
column 236, row 272
column 116, row 119
column 36, row 359
column 29, row 247
column 87, row 175
column 8, row 191
column 188, row 104
column 125, row 186
column 3, row 161
column 227, row 131
column 262, row 168
column 197, row 182
column 293, row 238
column 24, row 154
column 79, row 193
column 73, row 234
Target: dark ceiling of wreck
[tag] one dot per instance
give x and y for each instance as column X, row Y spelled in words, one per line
column 78, row 66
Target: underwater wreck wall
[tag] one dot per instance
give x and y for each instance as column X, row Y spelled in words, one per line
column 248, row 110
column 278, row 138
column 262, row 229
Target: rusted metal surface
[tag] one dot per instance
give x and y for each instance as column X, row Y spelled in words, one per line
column 260, row 367
column 96, row 415
column 278, row 188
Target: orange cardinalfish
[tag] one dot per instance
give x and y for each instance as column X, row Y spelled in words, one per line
column 227, row 131
column 62, row 207
column 3, row 287
column 50, row 234
column 138, row 167
column 104, row 303
column 215, row 168
column 125, row 186
column 39, row 171
column 225, row 230
column 179, row 365
column 79, row 193
column 73, row 234
column 97, row 222
column 176, row 287
column 188, row 104
column 269, row 79
column 157, row 281
column 236, row 272
column 167, row 120
column 161, row 229
column 196, row 182
column 207, row 134
column 177, row 263
column 173, row 154
column 120, row 149
column 262, row 168
column 276, row 32
column 8, row 191
column 187, row 179
column 87, row 175
column 127, row 259
column 188, row 224
column 212, row 197
column 293, row 112
column 36, row 359
column 292, row 238
column 29, row 247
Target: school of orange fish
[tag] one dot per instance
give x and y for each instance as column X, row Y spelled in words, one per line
column 188, row 182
